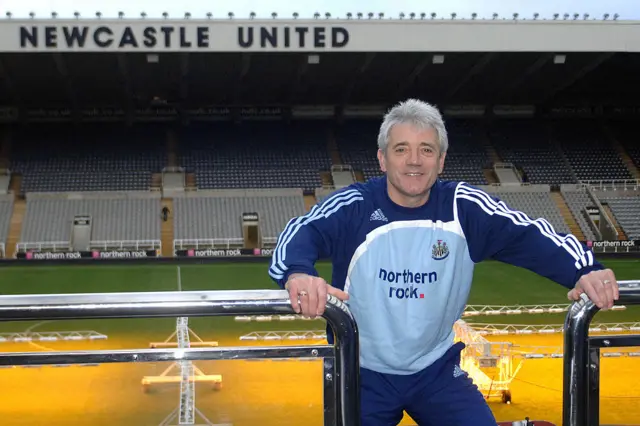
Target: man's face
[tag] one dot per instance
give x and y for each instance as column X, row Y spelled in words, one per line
column 412, row 162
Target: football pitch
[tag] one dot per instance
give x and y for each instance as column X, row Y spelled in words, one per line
column 264, row 392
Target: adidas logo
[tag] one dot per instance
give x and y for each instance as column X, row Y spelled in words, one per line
column 457, row 371
column 378, row 215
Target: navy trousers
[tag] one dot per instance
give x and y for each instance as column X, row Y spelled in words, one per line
column 440, row 395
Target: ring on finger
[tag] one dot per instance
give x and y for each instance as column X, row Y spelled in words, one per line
column 605, row 282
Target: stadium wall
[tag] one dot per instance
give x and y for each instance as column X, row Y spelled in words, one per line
column 205, row 256
column 92, row 195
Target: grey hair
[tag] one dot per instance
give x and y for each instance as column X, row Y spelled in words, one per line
column 417, row 113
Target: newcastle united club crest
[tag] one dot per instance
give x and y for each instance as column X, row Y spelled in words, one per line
column 440, row 250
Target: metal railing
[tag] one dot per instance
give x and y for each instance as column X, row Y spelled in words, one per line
column 581, row 389
column 613, row 185
column 341, row 362
column 206, row 243
column 269, row 242
column 126, row 245
column 606, row 229
column 57, row 246
column 23, row 247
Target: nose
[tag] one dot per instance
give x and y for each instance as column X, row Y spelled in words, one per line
column 414, row 158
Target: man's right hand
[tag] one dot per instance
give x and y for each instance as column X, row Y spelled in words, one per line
column 308, row 294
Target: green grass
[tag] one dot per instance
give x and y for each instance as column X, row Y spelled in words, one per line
column 97, row 393
column 494, row 283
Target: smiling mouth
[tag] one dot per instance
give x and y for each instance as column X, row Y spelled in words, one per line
column 414, row 174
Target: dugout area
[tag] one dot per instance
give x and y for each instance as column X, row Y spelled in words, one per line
column 267, row 392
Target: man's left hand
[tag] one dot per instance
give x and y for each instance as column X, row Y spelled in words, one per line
column 601, row 287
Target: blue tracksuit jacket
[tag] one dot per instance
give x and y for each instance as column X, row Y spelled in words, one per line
column 408, row 271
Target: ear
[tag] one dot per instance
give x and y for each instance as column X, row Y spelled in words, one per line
column 441, row 163
column 381, row 160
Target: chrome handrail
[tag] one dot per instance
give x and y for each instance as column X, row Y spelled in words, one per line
column 343, row 378
column 577, row 403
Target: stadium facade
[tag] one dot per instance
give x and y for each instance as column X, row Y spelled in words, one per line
column 104, row 122
column 136, row 138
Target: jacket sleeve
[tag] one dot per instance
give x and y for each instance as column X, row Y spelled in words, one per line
column 495, row 231
column 313, row 236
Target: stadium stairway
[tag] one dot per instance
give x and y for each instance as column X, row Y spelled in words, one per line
column 190, row 182
column 489, row 173
column 309, row 201
column 327, row 179
column 493, row 154
column 5, row 149
column 626, row 159
column 621, row 235
column 15, row 226
column 628, row 162
column 172, row 143
column 490, row 176
column 156, row 182
column 167, row 230
column 334, row 151
column 565, row 211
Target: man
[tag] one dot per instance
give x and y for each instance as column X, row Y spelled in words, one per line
column 403, row 249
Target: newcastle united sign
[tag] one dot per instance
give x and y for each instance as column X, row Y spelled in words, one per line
column 314, row 35
column 98, row 36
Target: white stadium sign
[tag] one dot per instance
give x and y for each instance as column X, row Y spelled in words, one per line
column 316, row 36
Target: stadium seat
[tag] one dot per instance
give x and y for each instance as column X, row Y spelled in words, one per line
column 220, row 217
column 535, row 205
column 626, row 210
column 588, row 151
column 524, row 143
column 466, row 156
column 6, row 209
column 256, row 154
column 578, row 200
column 94, row 157
column 627, row 134
column 50, row 220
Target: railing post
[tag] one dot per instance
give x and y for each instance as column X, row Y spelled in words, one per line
column 340, row 378
column 593, row 391
column 579, row 380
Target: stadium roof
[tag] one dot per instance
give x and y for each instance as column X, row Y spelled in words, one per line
column 544, row 63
